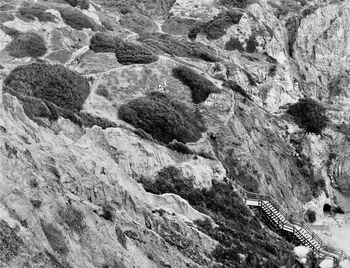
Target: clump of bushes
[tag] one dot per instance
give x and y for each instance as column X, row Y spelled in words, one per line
column 164, row 118
column 27, row 44
column 164, row 43
column 237, row 230
column 234, row 3
column 83, row 4
column 216, row 28
column 179, row 147
column 51, row 91
column 74, row 218
column 131, row 53
column 309, row 115
column 310, row 216
column 54, row 83
column 200, row 87
column 234, row 44
column 10, row 242
column 78, row 20
column 55, row 238
column 30, row 12
column 104, row 42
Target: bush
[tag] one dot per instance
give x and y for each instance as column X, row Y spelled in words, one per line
column 216, row 28
column 88, row 120
column 28, row 44
column 73, row 218
column 83, row 4
column 30, row 12
column 53, row 83
column 236, row 88
column 10, row 242
column 164, row 118
column 309, row 115
column 78, row 20
column 179, row 147
column 200, row 87
column 310, row 216
column 103, row 92
column 164, row 43
column 234, row 44
column 234, row 3
column 103, row 42
column 131, row 53
column 121, row 237
column 55, row 238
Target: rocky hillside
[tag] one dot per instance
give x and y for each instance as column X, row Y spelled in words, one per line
column 124, row 124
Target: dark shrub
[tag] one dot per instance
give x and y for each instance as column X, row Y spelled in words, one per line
column 192, row 35
column 120, row 235
column 234, row 3
column 104, row 42
column 73, row 3
column 10, row 242
column 309, row 114
column 164, row 43
column 103, row 91
column 164, row 118
column 338, row 210
column 78, row 20
column 108, row 213
column 216, row 28
column 28, row 44
column 36, row 203
column 179, row 147
column 84, row 4
column 131, row 53
column 30, row 12
column 236, row 88
column 292, row 25
column 234, row 44
column 55, row 238
column 74, row 218
column 54, row 83
column 200, row 86
column 310, row 215
column 88, row 120
column 251, row 44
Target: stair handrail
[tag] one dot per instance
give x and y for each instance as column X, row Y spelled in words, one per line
column 260, row 197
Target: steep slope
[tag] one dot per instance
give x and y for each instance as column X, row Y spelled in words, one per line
column 176, row 97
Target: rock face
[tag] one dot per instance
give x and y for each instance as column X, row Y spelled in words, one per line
column 73, row 196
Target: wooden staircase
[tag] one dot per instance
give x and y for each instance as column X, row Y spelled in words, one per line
column 276, row 218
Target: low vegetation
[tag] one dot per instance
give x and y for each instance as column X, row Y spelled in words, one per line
column 10, row 242
column 27, row 44
column 179, row 147
column 104, row 42
column 73, row 218
column 131, row 53
column 55, row 238
column 237, row 230
column 51, row 91
column 78, row 20
column 164, row 43
column 309, row 115
column 83, row 4
column 54, row 83
column 164, row 118
column 33, row 11
column 138, row 23
column 234, row 3
column 200, row 86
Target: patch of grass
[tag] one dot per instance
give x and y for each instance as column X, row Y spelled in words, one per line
column 200, row 86
column 164, row 43
column 104, row 42
column 53, row 83
column 179, row 147
column 131, row 53
column 10, row 242
column 55, row 238
column 28, row 44
column 103, row 92
column 78, row 20
column 164, row 118
column 309, row 115
column 32, row 11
